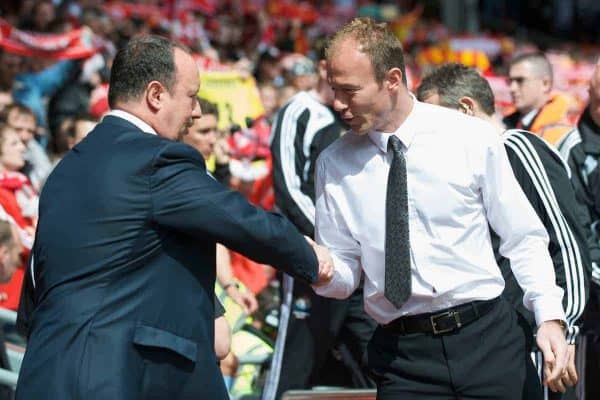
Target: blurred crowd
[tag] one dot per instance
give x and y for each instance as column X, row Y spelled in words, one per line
column 254, row 56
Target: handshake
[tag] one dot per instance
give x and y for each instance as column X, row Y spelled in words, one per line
column 325, row 263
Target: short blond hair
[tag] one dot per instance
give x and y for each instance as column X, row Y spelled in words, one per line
column 376, row 40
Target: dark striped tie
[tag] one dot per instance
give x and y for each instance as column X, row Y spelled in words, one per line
column 397, row 245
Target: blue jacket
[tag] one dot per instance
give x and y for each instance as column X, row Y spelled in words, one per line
column 118, row 300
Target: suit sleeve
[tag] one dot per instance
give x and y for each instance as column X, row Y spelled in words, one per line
column 27, row 300
column 187, row 199
column 547, row 186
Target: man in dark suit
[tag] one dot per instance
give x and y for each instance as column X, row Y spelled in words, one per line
column 118, row 302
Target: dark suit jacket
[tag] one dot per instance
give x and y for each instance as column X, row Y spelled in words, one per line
column 118, row 301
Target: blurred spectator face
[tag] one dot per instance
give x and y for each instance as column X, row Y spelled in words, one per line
column 5, row 99
column 10, row 250
column 43, row 15
column 23, row 124
column 80, row 131
column 10, row 66
column 527, row 89
column 595, row 96
column 203, row 135
column 268, row 96
column 303, row 74
column 12, row 150
column 285, row 93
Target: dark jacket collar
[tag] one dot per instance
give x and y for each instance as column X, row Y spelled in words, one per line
column 590, row 133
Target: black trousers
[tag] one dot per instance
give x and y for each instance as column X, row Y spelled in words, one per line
column 591, row 353
column 327, row 345
column 486, row 359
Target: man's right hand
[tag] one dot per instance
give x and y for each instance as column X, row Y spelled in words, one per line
column 325, row 263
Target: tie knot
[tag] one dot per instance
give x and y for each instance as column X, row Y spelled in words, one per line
column 394, row 143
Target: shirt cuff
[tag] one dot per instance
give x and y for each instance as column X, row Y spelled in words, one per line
column 548, row 309
column 333, row 289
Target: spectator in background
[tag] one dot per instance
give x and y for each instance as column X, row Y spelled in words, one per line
column 302, row 73
column 268, row 68
column 6, row 99
column 32, row 88
column 10, row 249
column 544, row 178
column 205, row 137
column 19, row 200
column 70, row 132
column 38, row 166
column 82, row 125
column 538, row 110
column 42, row 18
column 269, row 98
column 581, row 149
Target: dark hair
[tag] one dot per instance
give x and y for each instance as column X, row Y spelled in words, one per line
column 377, row 41
column 19, row 108
column 208, row 108
column 541, row 65
column 6, row 235
column 452, row 81
column 143, row 59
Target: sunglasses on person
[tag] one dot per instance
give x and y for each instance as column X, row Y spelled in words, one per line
column 519, row 80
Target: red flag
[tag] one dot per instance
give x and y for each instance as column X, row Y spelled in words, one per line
column 75, row 44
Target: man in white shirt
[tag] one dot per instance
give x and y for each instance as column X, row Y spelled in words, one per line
column 445, row 333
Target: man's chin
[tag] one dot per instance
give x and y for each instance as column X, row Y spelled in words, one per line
column 361, row 130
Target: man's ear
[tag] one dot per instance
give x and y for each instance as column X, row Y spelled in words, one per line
column 4, row 253
column 547, row 84
column 155, row 93
column 467, row 105
column 322, row 69
column 393, row 79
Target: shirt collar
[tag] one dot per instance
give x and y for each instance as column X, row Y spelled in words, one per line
column 133, row 119
column 528, row 118
column 405, row 132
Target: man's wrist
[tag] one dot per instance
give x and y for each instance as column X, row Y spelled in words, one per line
column 560, row 322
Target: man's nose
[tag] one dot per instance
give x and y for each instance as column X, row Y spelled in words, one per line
column 196, row 111
column 339, row 105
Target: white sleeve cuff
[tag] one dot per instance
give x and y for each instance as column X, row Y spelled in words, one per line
column 548, row 309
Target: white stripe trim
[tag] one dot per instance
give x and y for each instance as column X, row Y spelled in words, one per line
column 287, row 137
column 548, row 147
column 571, row 140
column 573, row 266
column 31, row 269
column 272, row 381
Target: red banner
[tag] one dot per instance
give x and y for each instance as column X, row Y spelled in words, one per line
column 71, row 45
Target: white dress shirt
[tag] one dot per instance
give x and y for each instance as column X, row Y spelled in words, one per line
column 459, row 179
column 133, row 119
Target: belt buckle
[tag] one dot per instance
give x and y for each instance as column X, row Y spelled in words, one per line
column 435, row 317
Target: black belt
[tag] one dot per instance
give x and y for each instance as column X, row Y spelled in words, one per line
column 442, row 321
